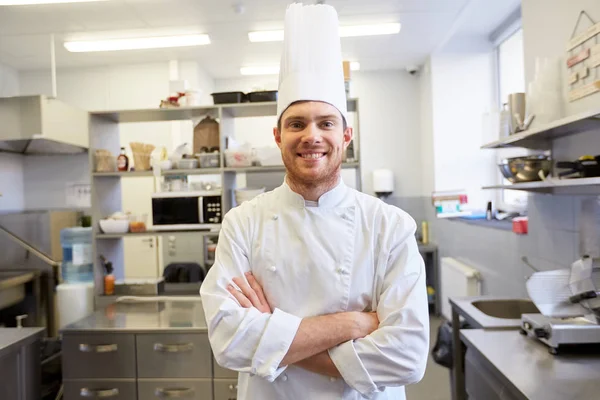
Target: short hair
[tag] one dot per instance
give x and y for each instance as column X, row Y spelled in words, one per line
column 344, row 123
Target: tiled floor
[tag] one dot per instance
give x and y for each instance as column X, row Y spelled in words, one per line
column 436, row 383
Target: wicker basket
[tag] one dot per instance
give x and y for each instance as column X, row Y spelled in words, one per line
column 105, row 161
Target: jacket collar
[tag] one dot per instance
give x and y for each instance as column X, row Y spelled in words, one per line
column 336, row 197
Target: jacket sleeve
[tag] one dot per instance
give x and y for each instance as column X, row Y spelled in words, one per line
column 396, row 353
column 244, row 340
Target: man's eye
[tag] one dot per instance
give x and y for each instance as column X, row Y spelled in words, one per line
column 295, row 125
column 328, row 124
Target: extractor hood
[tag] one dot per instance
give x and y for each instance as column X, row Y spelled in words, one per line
column 40, row 125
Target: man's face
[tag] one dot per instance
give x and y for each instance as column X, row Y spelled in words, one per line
column 312, row 141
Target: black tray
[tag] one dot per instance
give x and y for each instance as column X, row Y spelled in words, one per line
column 256, row 97
column 229, row 97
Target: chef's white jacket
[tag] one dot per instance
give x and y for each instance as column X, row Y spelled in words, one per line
column 350, row 253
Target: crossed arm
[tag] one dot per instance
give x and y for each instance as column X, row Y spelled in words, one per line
column 315, row 335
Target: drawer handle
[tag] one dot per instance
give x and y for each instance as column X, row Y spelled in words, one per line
column 233, row 388
column 174, row 348
column 174, row 393
column 101, row 348
column 98, row 393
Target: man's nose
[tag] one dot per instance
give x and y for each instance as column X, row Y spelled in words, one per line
column 312, row 134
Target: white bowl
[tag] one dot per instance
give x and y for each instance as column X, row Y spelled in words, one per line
column 114, row 225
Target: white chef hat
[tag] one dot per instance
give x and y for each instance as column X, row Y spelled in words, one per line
column 311, row 63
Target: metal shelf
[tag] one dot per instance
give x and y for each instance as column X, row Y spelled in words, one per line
column 555, row 186
column 540, row 138
column 205, row 171
column 237, row 110
column 112, row 236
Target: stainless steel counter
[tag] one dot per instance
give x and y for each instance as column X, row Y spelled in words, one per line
column 477, row 319
column 526, row 366
column 12, row 339
column 157, row 316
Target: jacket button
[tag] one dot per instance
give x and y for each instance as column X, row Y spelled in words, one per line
column 332, row 379
column 284, row 378
column 275, row 217
column 272, row 268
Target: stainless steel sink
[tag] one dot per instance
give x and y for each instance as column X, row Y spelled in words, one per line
column 506, row 309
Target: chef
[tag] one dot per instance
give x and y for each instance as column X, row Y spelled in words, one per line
column 317, row 291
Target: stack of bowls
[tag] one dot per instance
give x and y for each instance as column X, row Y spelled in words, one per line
column 245, row 194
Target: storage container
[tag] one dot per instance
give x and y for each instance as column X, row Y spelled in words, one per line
column 209, row 160
column 228, row 97
column 237, row 158
column 104, row 161
column 187, row 163
column 77, row 264
column 269, row 95
column 268, row 156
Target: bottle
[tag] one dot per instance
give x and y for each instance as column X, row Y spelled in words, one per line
column 109, row 280
column 424, row 232
column 488, row 211
column 122, row 161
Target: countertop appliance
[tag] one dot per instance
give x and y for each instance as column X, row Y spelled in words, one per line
column 569, row 303
column 193, row 210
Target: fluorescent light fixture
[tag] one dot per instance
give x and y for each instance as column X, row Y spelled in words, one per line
column 354, row 66
column 267, row 70
column 266, row 36
column 345, row 31
column 32, row 2
column 158, row 42
column 369, row 30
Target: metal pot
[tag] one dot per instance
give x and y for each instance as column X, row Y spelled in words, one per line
column 525, row 169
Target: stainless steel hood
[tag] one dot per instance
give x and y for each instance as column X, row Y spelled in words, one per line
column 40, row 125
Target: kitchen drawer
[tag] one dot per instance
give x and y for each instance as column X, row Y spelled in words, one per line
column 173, row 355
column 189, row 389
column 220, row 372
column 118, row 389
column 98, row 356
column 225, row 389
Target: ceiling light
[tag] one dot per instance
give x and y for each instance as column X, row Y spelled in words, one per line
column 354, row 66
column 369, row 30
column 345, row 31
column 268, row 70
column 31, row 2
column 266, row 36
column 157, row 42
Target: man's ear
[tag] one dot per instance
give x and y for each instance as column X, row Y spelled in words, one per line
column 277, row 136
column 348, row 135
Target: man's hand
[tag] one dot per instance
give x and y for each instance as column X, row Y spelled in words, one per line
column 251, row 294
column 366, row 323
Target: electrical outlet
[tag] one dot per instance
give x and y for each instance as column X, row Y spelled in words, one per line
column 78, row 195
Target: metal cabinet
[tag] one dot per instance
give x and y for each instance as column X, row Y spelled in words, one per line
column 99, row 356
column 225, row 389
column 173, row 356
column 20, row 367
column 481, row 383
column 116, row 389
column 9, row 383
column 220, row 372
column 192, row 389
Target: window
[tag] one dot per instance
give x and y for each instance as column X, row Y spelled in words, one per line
column 511, row 79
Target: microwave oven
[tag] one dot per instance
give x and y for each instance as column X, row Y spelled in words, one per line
column 186, row 210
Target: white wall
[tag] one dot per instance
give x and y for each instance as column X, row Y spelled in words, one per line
column 547, row 36
column 389, row 124
column 426, row 107
column 11, row 165
column 462, row 91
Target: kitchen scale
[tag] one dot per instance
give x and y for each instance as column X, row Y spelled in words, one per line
column 561, row 332
column 569, row 305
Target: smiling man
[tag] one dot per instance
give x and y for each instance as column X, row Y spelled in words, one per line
column 318, row 290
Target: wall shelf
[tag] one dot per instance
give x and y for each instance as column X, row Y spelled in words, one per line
column 237, row 110
column 206, row 171
column 541, row 138
column 555, row 186
column 112, row 236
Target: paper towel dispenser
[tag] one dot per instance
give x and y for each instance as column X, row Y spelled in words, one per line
column 40, row 125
